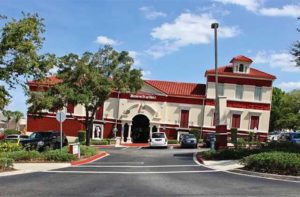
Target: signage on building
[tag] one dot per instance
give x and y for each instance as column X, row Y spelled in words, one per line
column 142, row 96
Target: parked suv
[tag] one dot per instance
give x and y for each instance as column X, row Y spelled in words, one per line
column 42, row 140
column 188, row 140
column 291, row 137
column 158, row 139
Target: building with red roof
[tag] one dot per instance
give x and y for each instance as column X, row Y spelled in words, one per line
column 175, row 107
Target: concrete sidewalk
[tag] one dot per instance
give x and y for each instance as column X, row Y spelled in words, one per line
column 223, row 164
column 23, row 168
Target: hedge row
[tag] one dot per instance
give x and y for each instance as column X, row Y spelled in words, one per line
column 274, row 162
column 8, row 147
column 244, row 152
column 51, row 155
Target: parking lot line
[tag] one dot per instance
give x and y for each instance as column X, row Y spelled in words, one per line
column 114, row 172
column 115, row 166
column 117, row 162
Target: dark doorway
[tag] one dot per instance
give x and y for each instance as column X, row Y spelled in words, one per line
column 140, row 129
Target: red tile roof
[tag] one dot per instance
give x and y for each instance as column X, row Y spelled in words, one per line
column 52, row 80
column 241, row 58
column 228, row 70
column 178, row 88
column 167, row 87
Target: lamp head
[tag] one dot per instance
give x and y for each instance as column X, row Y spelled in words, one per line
column 214, row 25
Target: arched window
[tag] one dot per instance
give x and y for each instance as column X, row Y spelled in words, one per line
column 241, row 68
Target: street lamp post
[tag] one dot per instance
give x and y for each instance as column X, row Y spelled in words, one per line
column 215, row 27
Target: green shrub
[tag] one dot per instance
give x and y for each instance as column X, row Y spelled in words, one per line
column 241, row 143
column 6, row 163
column 228, row 154
column 57, row 155
column 88, row 150
column 11, row 131
column 274, row 162
column 173, row 142
column 112, row 141
column 282, row 146
column 8, row 147
column 99, row 142
column 196, row 133
column 81, row 136
column 22, row 155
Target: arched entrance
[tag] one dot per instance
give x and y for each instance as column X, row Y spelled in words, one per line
column 140, row 129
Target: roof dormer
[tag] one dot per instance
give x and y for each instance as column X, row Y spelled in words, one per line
column 241, row 64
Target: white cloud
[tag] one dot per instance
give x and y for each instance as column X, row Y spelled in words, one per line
column 282, row 60
column 187, row 29
column 106, row 41
column 146, row 74
column 290, row 85
column 151, row 14
column 287, row 10
column 135, row 55
column 251, row 5
column 257, row 7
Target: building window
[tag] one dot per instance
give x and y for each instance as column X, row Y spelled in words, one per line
column 220, row 89
column 70, row 108
column 241, row 68
column 184, row 120
column 239, row 92
column 257, row 94
column 236, row 121
column 254, row 122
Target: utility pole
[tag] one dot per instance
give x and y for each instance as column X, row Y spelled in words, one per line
column 217, row 110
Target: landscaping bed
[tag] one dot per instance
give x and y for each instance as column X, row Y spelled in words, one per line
column 273, row 157
column 273, row 162
column 12, row 152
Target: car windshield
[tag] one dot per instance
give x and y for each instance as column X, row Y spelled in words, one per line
column 158, row 135
column 39, row 135
column 188, row 136
column 296, row 135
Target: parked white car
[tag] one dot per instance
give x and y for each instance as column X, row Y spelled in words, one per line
column 158, row 139
column 274, row 136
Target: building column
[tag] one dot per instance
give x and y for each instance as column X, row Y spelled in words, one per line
column 129, row 134
column 122, row 132
column 150, row 133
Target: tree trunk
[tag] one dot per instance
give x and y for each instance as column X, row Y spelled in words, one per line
column 87, row 127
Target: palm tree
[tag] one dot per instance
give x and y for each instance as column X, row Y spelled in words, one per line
column 9, row 115
column 17, row 116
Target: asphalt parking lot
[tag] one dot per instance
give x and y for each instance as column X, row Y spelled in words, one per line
column 143, row 172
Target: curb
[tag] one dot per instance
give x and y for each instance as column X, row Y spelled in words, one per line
column 89, row 159
column 254, row 174
column 266, row 175
column 199, row 158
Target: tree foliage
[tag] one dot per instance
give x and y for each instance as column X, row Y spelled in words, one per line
column 88, row 80
column 295, row 51
column 285, row 110
column 20, row 42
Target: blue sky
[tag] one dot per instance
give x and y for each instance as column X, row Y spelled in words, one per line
column 171, row 39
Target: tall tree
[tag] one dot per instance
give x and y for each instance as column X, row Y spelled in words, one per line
column 20, row 42
column 17, row 117
column 88, row 80
column 295, row 51
column 276, row 110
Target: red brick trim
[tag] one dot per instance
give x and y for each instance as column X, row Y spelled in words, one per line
column 89, row 159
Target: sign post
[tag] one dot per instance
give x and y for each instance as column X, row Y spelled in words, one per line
column 60, row 117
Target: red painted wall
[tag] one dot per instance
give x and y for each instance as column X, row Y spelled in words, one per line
column 70, row 126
